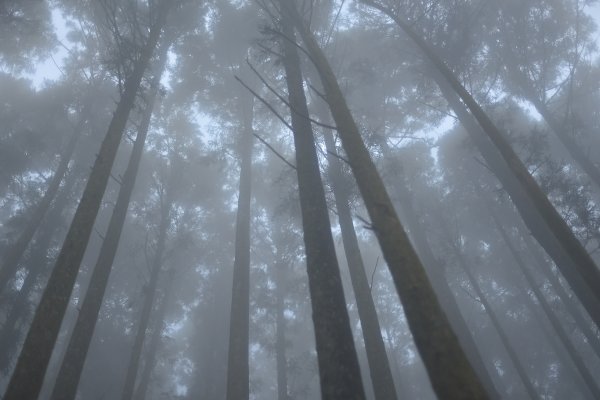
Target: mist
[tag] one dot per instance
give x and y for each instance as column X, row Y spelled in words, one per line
column 299, row 199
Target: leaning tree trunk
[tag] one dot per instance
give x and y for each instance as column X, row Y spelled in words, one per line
column 450, row 373
column 379, row 367
column 28, row 376
column 563, row 235
column 339, row 371
column 81, row 337
column 238, row 378
column 14, row 253
column 525, row 206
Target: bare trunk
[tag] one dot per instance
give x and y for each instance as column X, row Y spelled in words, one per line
column 450, row 373
column 28, row 376
column 238, row 384
column 379, row 367
column 339, row 370
column 280, row 347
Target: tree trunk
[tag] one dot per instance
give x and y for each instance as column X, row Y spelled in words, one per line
column 81, row 337
column 450, row 373
column 525, row 206
column 339, row 371
column 14, row 253
column 556, row 325
column 150, row 354
column 238, row 384
column 581, row 260
column 520, row 368
column 379, row 367
column 28, row 376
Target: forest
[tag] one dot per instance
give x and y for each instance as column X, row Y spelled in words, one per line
column 299, row 199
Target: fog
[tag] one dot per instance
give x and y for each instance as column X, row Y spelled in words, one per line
column 299, row 199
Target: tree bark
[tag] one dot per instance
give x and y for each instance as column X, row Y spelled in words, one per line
column 379, row 367
column 450, row 373
column 339, row 371
column 238, row 370
column 28, row 376
column 81, row 337
column 564, row 237
column 280, row 346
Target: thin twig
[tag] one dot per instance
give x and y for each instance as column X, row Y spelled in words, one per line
column 274, row 151
column 373, row 275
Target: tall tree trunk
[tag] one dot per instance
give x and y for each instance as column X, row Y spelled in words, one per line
column 81, row 337
column 379, row 367
column 450, row 373
column 562, row 233
column 38, row 272
column 436, row 272
column 525, row 206
column 280, row 346
column 238, row 378
column 520, row 368
column 28, row 376
column 556, row 324
column 10, row 262
column 339, row 371
column 150, row 293
column 150, row 353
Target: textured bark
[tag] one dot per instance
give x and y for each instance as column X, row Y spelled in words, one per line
column 81, row 337
column 379, row 367
column 28, row 376
column 14, row 253
column 450, row 373
column 558, row 328
column 238, row 384
column 525, row 206
column 436, row 272
column 281, row 360
column 153, row 344
column 564, row 237
column 150, row 293
column 512, row 354
column 339, row 371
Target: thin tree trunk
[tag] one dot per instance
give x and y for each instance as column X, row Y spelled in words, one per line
column 339, row 371
column 81, row 337
column 556, row 325
column 525, row 206
column 150, row 293
column 28, row 376
column 379, row 367
column 450, row 373
column 14, row 253
column 581, row 260
column 520, row 368
column 238, row 383
column 280, row 347
column 150, row 353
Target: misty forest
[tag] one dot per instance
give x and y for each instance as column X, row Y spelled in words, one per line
column 299, row 199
